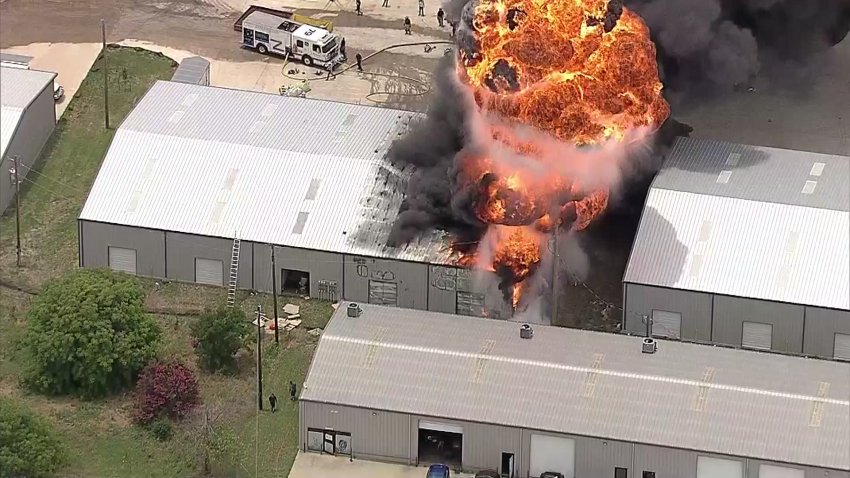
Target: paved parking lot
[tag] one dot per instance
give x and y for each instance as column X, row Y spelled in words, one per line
column 313, row 465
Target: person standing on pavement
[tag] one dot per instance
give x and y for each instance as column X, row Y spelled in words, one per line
column 421, row 8
column 407, row 25
column 359, row 60
column 342, row 49
column 357, row 8
column 440, row 15
column 386, row 3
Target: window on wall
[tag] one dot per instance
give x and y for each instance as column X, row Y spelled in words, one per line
column 756, row 335
column 666, row 324
column 621, row 473
column 841, row 349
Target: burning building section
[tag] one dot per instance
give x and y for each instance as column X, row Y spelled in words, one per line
column 549, row 98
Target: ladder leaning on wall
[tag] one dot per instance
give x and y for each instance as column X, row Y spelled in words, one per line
column 234, row 272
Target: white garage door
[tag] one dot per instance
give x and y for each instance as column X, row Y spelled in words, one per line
column 209, row 271
column 757, row 336
column 666, row 324
column 708, row 467
column 550, row 453
column 842, row 347
column 122, row 260
column 383, row 293
column 770, row 471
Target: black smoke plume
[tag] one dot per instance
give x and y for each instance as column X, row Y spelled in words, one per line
column 704, row 47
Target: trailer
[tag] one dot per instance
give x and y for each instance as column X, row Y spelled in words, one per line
column 308, row 44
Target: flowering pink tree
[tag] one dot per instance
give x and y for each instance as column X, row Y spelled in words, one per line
column 165, row 390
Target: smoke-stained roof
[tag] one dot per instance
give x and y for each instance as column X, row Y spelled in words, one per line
column 710, row 399
column 747, row 221
column 270, row 169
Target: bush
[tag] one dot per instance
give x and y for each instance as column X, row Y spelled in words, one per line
column 161, row 429
column 88, row 334
column 28, row 445
column 165, row 390
column 218, row 335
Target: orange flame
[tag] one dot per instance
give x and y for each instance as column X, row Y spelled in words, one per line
column 559, row 68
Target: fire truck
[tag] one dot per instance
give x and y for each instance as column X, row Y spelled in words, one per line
column 309, row 44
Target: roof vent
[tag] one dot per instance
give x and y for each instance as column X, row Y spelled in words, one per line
column 649, row 346
column 526, row 332
column 354, row 310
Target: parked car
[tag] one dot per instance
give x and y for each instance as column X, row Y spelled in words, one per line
column 438, row 471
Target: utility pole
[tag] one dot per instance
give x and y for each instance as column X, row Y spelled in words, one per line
column 105, row 73
column 17, row 167
column 555, row 275
column 274, row 296
column 259, row 359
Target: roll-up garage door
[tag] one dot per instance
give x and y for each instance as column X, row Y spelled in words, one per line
column 841, row 350
column 771, row 471
column 122, row 260
column 666, row 324
column 209, row 271
column 550, row 453
column 469, row 303
column 440, row 427
column 757, row 336
column 708, row 467
column 383, row 293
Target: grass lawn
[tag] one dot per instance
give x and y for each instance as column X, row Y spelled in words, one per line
column 102, row 441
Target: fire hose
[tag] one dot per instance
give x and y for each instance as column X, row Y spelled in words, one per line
column 426, row 87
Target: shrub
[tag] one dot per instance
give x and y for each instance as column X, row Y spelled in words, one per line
column 165, row 390
column 218, row 335
column 88, row 334
column 161, row 429
column 28, row 445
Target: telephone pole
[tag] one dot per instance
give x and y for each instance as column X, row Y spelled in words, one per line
column 274, row 295
column 259, row 359
column 17, row 167
column 555, row 275
column 105, row 73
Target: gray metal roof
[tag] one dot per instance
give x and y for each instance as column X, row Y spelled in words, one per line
column 219, row 162
column 718, row 168
column 264, row 19
column 15, row 58
column 19, row 87
column 711, row 399
column 750, row 232
column 192, row 70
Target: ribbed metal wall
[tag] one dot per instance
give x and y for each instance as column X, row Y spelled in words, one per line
column 821, row 327
column 731, row 312
column 695, row 308
column 183, row 249
column 410, row 278
column 322, row 266
column 149, row 246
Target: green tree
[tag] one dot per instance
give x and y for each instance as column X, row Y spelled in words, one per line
column 219, row 334
column 28, row 445
column 88, row 334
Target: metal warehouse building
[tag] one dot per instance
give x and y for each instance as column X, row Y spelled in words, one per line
column 27, row 119
column 199, row 182
column 419, row 387
column 745, row 246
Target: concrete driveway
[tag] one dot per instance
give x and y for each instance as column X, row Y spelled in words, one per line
column 314, row 465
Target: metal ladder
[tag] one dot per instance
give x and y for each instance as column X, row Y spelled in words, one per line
column 234, row 273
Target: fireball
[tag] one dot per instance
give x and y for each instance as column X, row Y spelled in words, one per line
column 579, row 71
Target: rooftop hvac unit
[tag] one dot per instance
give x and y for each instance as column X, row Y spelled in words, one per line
column 526, row 332
column 354, row 310
column 649, row 346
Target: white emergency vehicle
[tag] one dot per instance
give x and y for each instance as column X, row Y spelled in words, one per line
column 306, row 43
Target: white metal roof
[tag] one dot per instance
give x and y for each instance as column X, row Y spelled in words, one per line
column 695, row 397
column 270, row 169
column 18, row 88
column 775, row 227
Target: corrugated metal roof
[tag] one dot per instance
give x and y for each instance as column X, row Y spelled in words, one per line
column 192, row 70
column 218, row 162
column 718, row 168
column 687, row 396
column 18, row 87
column 737, row 247
column 9, row 118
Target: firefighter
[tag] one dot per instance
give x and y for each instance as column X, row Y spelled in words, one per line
column 273, row 402
column 421, row 8
column 407, row 25
column 359, row 60
column 293, row 389
column 440, row 15
column 357, row 8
